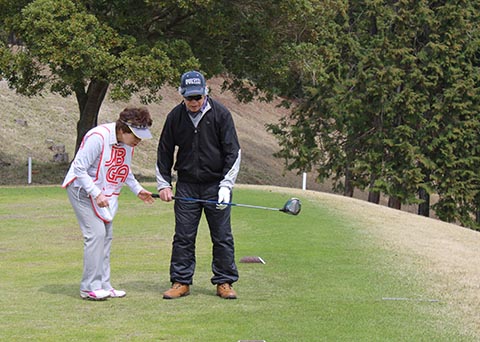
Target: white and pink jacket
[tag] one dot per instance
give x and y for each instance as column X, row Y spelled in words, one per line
column 102, row 165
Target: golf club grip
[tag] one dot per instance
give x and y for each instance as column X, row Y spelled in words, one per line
column 189, row 199
column 186, row 199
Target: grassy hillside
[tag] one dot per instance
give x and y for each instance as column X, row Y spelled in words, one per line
column 30, row 126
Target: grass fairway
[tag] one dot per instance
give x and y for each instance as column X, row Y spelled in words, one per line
column 325, row 277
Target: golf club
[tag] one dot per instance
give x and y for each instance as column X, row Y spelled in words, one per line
column 292, row 206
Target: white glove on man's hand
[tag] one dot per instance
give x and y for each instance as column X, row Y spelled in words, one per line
column 223, row 197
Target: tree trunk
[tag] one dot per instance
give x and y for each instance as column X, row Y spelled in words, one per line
column 394, row 202
column 373, row 196
column 89, row 104
column 477, row 207
column 348, row 190
column 424, row 208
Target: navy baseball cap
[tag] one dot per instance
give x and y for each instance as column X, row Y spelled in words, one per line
column 192, row 83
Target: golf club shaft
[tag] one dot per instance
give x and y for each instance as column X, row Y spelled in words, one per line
column 215, row 202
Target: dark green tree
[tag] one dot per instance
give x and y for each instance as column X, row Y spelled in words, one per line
column 449, row 131
column 397, row 113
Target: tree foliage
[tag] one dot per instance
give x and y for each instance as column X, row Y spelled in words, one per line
column 86, row 47
column 396, row 109
column 81, row 48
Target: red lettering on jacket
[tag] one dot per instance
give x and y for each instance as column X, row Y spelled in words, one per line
column 117, row 171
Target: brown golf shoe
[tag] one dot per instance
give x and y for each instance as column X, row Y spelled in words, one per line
column 226, row 291
column 176, row 291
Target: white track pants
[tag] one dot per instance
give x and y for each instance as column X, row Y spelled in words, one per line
column 97, row 242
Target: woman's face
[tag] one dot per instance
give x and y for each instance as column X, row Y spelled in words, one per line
column 129, row 138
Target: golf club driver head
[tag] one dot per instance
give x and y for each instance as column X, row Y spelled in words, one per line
column 292, row 207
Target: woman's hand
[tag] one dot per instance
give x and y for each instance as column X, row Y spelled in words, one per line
column 146, row 196
column 102, row 201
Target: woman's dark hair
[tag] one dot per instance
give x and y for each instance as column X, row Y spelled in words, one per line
column 136, row 116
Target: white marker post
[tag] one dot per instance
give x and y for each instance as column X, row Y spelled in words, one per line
column 304, row 183
column 29, row 170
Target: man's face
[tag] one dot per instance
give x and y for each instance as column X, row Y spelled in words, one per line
column 194, row 103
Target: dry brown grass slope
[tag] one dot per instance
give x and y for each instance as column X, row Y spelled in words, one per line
column 51, row 119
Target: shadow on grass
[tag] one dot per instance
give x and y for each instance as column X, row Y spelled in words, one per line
column 144, row 286
column 161, row 287
column 204, row 290
column 69, row 290
column 72, row 290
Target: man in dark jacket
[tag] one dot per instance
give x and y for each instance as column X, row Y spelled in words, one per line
column 207, row 162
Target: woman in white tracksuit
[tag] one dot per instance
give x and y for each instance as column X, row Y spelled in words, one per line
column 96, row 176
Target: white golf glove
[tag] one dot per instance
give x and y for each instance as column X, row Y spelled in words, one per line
column 223, row 197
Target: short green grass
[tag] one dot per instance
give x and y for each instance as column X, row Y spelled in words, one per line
column 324, row 280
